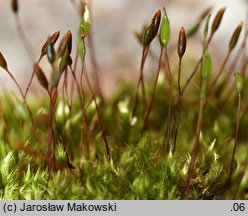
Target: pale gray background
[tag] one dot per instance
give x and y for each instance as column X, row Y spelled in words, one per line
column 114, row 22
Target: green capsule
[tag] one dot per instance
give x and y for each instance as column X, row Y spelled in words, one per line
column 206, row 65
column 239, row 79
column 206, row 27
column 147, row 36
column 235, row 36
column 85, row 21
column 83, row 31
column 193, row 30
column 81, row 49
column 64, row 62
column 164, row 34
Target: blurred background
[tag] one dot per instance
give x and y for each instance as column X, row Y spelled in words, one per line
column 117, row 50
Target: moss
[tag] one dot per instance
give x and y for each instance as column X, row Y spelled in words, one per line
column 84, row 147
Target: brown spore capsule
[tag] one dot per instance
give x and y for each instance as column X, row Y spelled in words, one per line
column 182, row 42
column 66, row 42
column 53, row 40
column 235, row 36
column 14, row 6
column 3, row 62
column 217, row 20
column 40, row 76
column 155, row 23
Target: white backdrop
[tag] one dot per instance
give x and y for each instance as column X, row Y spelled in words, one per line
column 114, row 23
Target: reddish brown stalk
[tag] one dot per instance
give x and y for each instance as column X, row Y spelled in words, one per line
column 144, row 55
column 179, row 107
column 182, row 42
column 53, row 120
column 82, row 102
column 65, row 94
column 48, row 158
column 24, row 40
column 73, row 80
column 29, row 84
column 99, row 117
column 205, row 71
column 81, row 82
column 93, row 58
column 94, row 65
column 62, row 140
column 140, row 82
column 213, row 84
column 31, row 80
column 205, row 47
column 233, row 64
column 194, row 152
column 22, row 94
column 53, row 38
column 84, row 113
column 192, row 74
column 168, row 130
column 235, row 139
column 242, row 49
column 153, row 91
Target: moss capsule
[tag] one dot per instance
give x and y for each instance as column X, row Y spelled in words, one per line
column 164, row 34
column 41, row 76
column 182, row 42
column 217, row 20
column 239, row 80
column 235, row 36
column 3, row 62
column 50, row 51
column 53, row 40
column 14, row 6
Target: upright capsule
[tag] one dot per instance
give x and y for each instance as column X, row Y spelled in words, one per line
column 217, row 20
column 14, row 6
column 235, row 36
column 182, row 42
